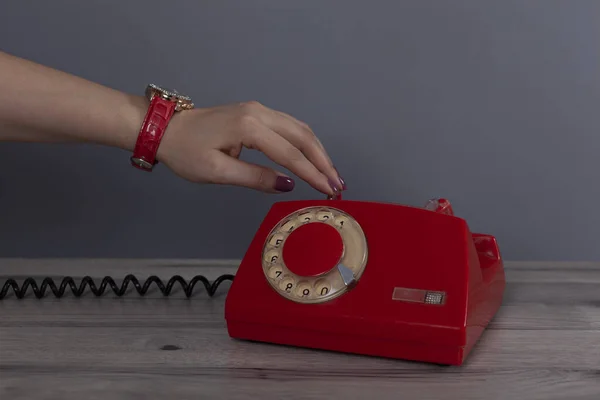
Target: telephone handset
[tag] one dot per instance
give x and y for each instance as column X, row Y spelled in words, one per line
column 367, row 278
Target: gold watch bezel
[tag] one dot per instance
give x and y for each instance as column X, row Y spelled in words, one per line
column 183, row 102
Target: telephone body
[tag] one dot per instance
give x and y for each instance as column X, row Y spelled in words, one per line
column 367, row 278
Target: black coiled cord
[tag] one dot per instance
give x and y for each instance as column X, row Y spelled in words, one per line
column 40, row 291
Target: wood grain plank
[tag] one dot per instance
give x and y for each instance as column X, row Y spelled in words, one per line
column 273, row 383
column 129, row 347
column 543, row 344
column 197, row 312
column 499, row 367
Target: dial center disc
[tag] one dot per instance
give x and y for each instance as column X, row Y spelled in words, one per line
column 313, row 249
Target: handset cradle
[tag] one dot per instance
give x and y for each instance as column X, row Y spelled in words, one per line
column 367, row 278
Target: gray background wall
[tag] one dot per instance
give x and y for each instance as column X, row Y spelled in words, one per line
column 492, row 104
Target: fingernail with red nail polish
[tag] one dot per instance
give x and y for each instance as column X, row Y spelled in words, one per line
column 342, row 182
column 334, row 186
column 284, row 184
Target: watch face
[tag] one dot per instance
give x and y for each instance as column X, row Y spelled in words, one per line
column 183, row 101
column 166, row 92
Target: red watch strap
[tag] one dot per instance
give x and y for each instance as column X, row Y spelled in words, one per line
column 153, row 128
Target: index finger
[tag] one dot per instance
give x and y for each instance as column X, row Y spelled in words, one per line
column 302, row 137
column 279, row 150
column 314, row 149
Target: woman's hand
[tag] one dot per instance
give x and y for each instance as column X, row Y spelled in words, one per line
column 41, row 104
column 204, row 145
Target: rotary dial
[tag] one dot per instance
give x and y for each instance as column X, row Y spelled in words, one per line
column 315, row 255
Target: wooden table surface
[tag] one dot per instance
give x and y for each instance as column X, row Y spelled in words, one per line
column 543, row 344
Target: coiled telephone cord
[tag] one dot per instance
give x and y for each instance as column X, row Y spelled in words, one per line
column 40, row 291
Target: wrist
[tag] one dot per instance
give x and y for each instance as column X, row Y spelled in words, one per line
column 131, row 117
column 161, row 106
column 115, row 124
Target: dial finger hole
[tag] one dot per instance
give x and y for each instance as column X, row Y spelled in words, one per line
column 287, row 284
column 306, row 217
column 288, row 226
column 324, row 216
column 304, row 289
column 276, row 239
column 275, row 272
column 340, row 221
column 272, row 256
column 322, row 287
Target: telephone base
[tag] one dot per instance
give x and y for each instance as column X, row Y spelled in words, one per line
column 384, row 348
column 406, row 283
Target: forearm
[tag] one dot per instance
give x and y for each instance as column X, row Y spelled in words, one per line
column 40, row 104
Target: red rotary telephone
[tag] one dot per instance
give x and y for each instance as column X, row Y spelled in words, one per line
column 367, row 278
